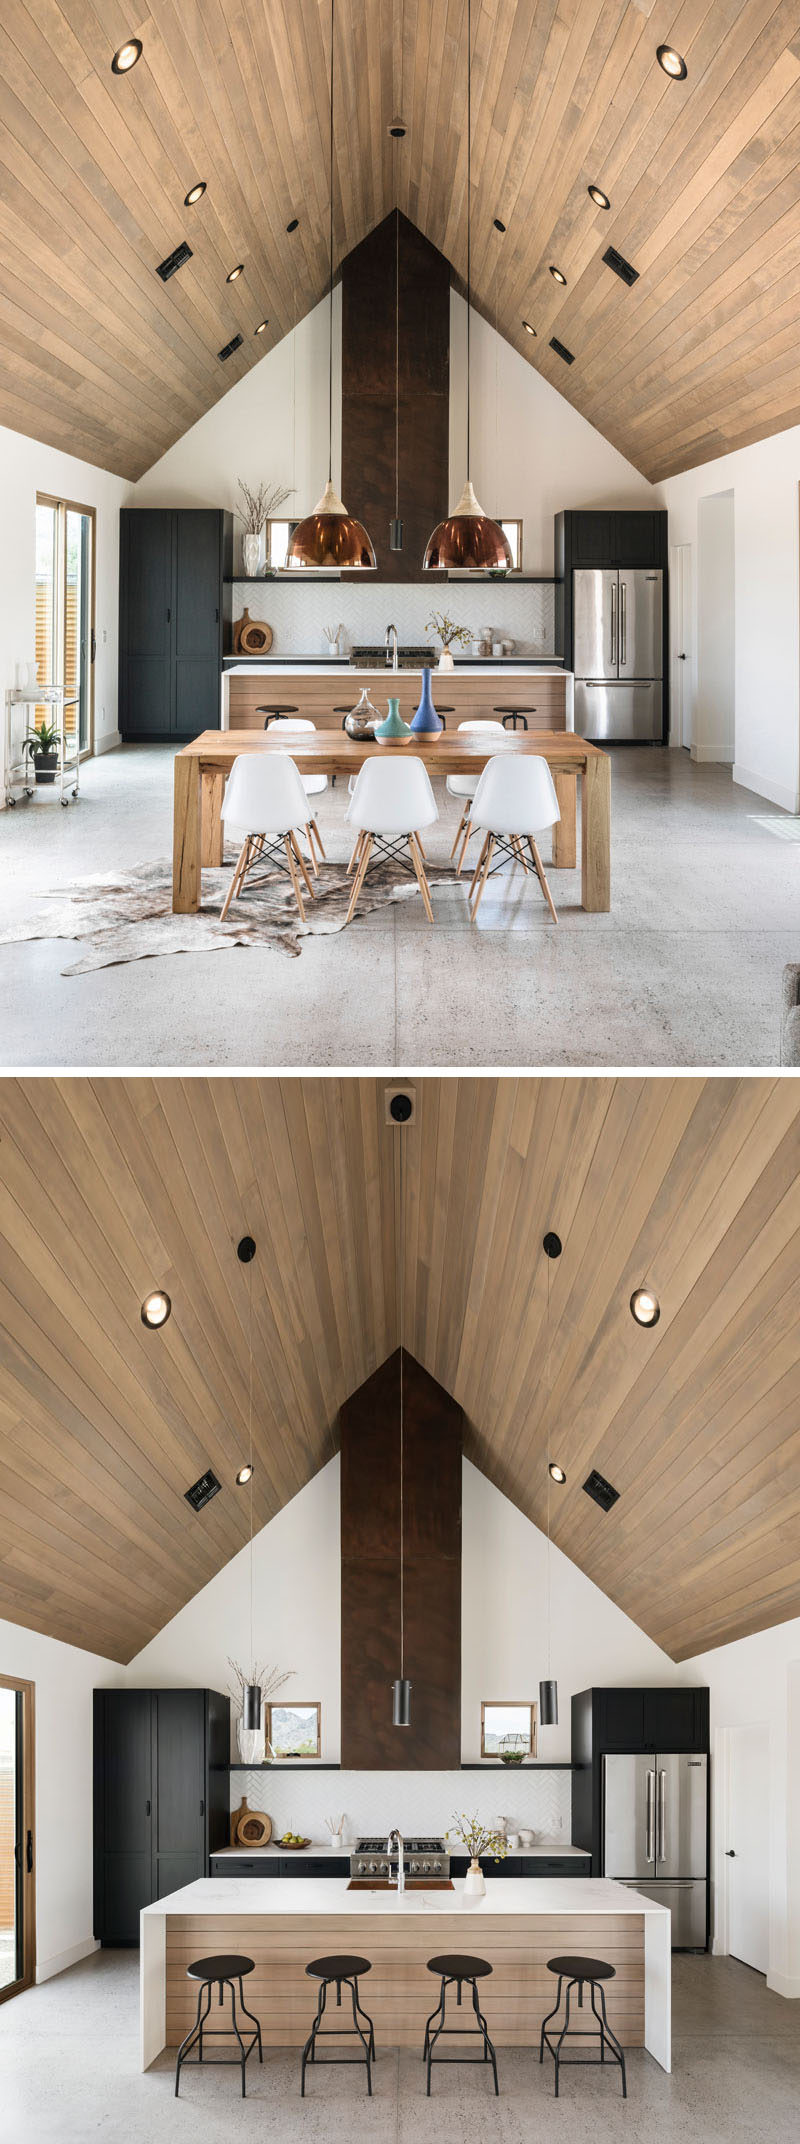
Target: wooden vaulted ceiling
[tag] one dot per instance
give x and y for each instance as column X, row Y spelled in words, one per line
column 97, row 356
column 112, row 1186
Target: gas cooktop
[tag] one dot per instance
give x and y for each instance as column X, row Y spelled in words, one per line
column 421, row 1857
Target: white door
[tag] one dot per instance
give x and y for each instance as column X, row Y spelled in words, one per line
column 746, row 1850
column 680, row 625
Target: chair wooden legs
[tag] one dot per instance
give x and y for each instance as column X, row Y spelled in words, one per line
column 239, row 869
column 459, row 829
column 539, row 869
column 366, row 840
column 360, row 859
column 311, row 849
column 299, row 856
column 314, row 836
column 355, row 855
column 478, row 883
column 293, row 875
column 417, row 853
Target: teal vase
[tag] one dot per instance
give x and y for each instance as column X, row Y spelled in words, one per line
column 394, row 730
column 426, row 721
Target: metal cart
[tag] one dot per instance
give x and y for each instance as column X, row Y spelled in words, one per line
column 19, row 774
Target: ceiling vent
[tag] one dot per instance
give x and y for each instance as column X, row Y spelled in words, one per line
column 202, row 1491
column 621, row 267
column 600, row 1490
column 174, row 261
column 561, row 350
column 234, row 344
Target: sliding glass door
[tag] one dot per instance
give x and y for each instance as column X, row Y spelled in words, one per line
column 17, row 1908
column 65, row 612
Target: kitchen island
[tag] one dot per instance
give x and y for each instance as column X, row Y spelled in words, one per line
column 472, row 690
column 517, row 1926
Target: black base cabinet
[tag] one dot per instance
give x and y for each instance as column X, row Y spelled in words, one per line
column 280, row 1865
column 526, row 1865
column 160, row 1798
column 173, row 595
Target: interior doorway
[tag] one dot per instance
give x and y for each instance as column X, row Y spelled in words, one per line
column 65, row 628
column 680, row 642
column 713, row 721
column 17, row 1835
column 746, row 1846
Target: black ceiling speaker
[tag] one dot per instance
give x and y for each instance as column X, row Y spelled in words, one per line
column 234, row 344
column 174, row 261
column 202, row 1491
column 561, row 350
column 621, row 267
column 600, row 1490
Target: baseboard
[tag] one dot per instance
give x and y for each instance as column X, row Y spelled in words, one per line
column 784, row 1984
column 109, row 743
column 775, row 792
column 710, row 754
column 64, row 1958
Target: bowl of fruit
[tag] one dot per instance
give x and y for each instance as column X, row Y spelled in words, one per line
column 293, row 1842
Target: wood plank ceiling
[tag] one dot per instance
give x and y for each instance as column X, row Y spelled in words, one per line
column 113, row 1186
column 101, row 358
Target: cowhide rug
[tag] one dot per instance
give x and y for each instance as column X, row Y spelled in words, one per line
column 129, row 916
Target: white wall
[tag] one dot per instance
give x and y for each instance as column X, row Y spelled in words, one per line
column 713, row 728
column 65, row 1678
column 764, row 480
column 25, row 468
column 757, row 1680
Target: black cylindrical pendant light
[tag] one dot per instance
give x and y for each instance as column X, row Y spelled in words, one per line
column 252, row 1707
column 548, row 1704
column 401, row 1702
column 395, row 534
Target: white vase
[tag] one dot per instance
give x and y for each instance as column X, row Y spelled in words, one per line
column 251, row 550
column 445, row 660
column 474, row 1881
column 251, row 1743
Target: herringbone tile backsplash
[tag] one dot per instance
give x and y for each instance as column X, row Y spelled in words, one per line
column 522, row 611
column 420, row 1802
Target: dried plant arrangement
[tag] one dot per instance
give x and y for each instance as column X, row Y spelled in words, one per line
column 260, row 505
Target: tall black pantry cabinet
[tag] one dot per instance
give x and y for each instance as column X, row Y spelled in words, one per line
column 174, row 594
column 161, row 1802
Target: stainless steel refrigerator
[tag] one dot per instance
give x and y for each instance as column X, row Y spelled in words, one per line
column 617, row 653
column 655, row 1834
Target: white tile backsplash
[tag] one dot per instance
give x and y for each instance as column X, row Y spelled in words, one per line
column 522, row 611
column 417, row 1801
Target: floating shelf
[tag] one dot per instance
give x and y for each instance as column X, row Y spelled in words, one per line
column 287, row 1764
column 313, row 580
column 537, row 1764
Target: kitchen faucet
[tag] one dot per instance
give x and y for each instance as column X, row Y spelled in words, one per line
column 396, row 1839
column 393, row 630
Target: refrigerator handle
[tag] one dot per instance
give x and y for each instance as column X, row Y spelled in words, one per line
column 649, row 1799
column 661, row 1835
column 623, row 623
column 614, row 622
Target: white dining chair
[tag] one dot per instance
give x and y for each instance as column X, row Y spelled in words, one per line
column 313, row 784
column 391, row 803
column 464, row 786
column 265, row 797
column 514, row 801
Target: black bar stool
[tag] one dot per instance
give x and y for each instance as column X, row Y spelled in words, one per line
column 456, row 1971
column 580, row 1972
column 269, row 713
column 513, row 715
column 225, row 1970
column 330, row 1972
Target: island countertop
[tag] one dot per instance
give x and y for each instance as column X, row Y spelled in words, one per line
column 320, row 691
column 517, row 1925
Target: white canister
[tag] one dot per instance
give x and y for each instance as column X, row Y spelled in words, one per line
column 512, row 1841
column 474, row 1882
column 497, row 647
column 526, row 1838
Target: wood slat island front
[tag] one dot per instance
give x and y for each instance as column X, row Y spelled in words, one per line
column 202, row 767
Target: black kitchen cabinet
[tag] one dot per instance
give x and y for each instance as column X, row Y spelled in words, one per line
column 527, row 1865
column 160, row 1798
column 277, row 1864
column 616, row 1722
column 245, row 1865
column 172, row 618
column 600, row 537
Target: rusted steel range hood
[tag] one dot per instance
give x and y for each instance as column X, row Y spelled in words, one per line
column 396, row 256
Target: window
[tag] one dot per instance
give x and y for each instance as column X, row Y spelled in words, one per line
column 513, row 531
column 65, row 612
column 278, row 534
column 508, row 1730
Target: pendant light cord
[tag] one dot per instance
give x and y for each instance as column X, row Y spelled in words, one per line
column 396, row 351
column 547, row 1401
column 469, row 208
column 250, row 1450
column 330, row 314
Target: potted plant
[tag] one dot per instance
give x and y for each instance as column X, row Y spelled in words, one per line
column 252, row 1742
column 42, row 745
column 478, row 1839
column 448, row 632
column 256, row 508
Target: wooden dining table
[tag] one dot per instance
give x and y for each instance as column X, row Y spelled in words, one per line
column 202, row 767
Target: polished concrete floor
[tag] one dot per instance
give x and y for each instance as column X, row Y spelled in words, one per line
column 69, row 2073
column 686, row 969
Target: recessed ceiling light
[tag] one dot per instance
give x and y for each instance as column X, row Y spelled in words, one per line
column 498, row 225
column 557, row 275
column 293, row 225
column 243, row 1476
column 597, row 195
column 552, row 1244
column 645, row 1306
column 194, row 194
column 672, row 62
column 557, row 1473
column 235, row 273
column 528, row 329
column 127, row 56
column 156, row 1308
column 261, row 326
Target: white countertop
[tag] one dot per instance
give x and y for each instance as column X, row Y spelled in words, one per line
column 255, row 1853
column 510, row 669
column 331, row 1894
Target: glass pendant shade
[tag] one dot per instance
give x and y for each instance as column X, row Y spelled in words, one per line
column 251, row 1710
column 330, row 539
column 401, row 1703
column 548, row 1704
column 468, row 541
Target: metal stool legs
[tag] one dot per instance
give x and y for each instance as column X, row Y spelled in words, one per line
column 330, row 2032
column 433, row 2030
column 196, row 2033
column 608, row 2039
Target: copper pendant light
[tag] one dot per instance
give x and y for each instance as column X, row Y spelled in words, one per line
column 330, row 538
column 469, row 541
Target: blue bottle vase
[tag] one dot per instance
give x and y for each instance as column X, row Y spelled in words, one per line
column 426, row 718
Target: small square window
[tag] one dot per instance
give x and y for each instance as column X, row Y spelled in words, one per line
column 508, row 1729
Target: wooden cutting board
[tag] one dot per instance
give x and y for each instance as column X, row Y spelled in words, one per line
column 250, row 1827
column 251, row 636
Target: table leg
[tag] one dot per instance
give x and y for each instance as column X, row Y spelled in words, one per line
column 212, row 789
column 565, row 836
column 186, row 867
column 596, row 833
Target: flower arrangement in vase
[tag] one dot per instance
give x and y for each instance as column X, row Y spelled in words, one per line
column 256, row 508
column 478, row 1839
column 447, row 632
column 252, row 1742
